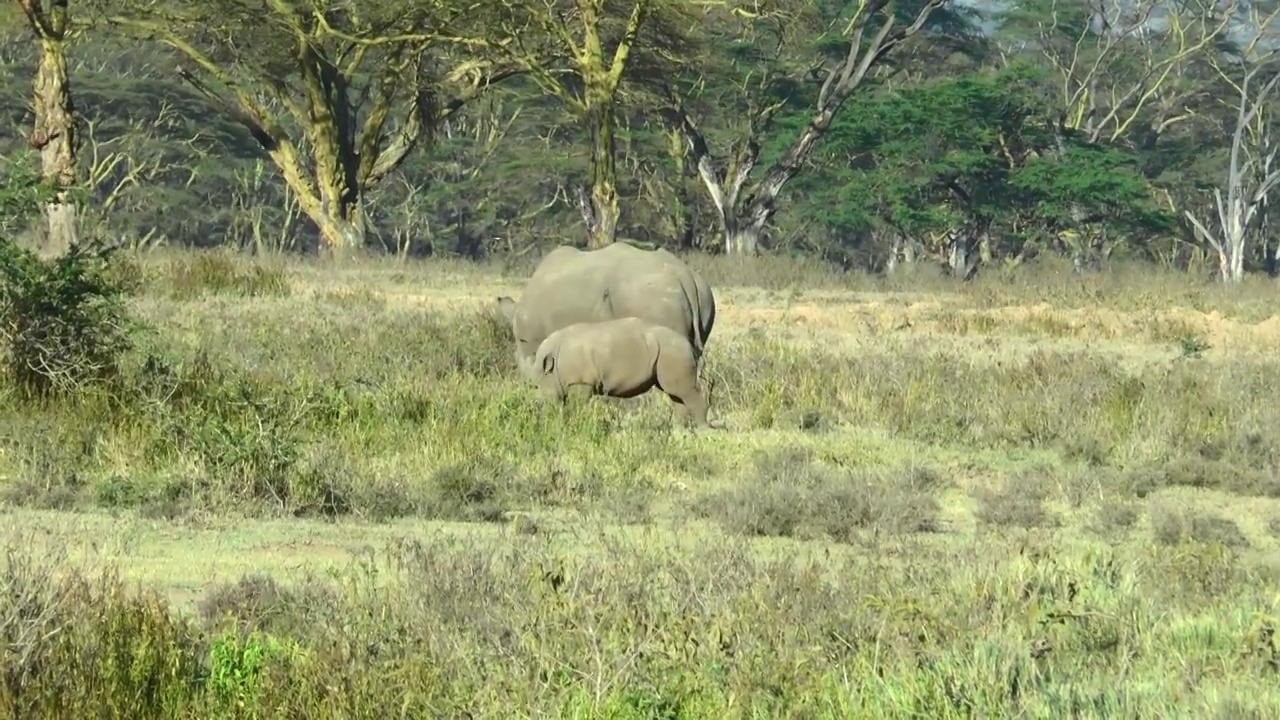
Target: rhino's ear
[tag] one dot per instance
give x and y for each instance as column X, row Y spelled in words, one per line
column 548, row 364
column 507, row 307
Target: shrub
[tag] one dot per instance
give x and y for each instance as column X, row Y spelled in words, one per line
column 789, row 494
column 63, row 322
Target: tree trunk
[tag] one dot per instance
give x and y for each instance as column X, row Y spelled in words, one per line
column 342, row 233
column 741, row 238
column 902, row 251
column 1224, row 265
column 62, row 233
column 962, row 258
column 682, row 214
column 55, row 133
column 602, row 213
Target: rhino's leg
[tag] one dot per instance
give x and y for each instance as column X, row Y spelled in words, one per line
column 676, row 374
column 679, row 415
column 577, row 394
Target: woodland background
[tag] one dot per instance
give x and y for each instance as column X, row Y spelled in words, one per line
column 997, row 133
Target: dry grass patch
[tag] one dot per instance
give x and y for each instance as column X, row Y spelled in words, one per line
column 1018, row 501
column 1173, row 525
column 789, row 494
column 220, row 272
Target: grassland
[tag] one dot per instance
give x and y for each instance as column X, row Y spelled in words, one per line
column 324, row 493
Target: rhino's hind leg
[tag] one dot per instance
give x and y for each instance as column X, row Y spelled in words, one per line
column 676, row 375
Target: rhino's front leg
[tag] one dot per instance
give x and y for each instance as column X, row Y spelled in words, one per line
column 680, row 414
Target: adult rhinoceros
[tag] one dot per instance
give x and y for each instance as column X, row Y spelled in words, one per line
column 619, row 280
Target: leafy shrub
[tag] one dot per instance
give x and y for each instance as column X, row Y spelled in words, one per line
column 63, row 322
column 22, row 190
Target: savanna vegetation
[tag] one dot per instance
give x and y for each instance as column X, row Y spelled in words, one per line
column 994, row 349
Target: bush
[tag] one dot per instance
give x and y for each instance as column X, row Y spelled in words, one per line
column 791, row 495
column 63, row 322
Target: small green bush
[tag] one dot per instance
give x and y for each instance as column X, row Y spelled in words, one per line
column 63, row 322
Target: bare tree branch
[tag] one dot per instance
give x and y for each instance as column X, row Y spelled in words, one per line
column 744, row 218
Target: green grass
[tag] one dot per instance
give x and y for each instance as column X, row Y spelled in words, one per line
column 324, row 492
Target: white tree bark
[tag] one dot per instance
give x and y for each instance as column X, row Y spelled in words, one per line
column 744, row 212
column 1252, row 173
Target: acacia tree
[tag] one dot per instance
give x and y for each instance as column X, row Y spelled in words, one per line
column 1122, row 66
column 964, row 168
column 1253, row 167
column 1124, row 73
column 55, row 131
column 871, row 32
column 580, row 52
column 336, row 92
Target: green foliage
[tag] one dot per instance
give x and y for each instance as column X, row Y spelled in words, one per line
column 22, row 190
column 237, row 664
column 1091, row 185
column 977, row 150
column 63, row 321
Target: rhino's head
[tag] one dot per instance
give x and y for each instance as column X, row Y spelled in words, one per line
column 523, row 353
column 507, row 308
column 528, row 367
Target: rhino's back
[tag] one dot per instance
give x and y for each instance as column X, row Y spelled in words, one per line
column 618, row 353
column 654, row 285
column 575, row 286
column 679, row 285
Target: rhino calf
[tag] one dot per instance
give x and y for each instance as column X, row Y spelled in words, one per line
column 622, row 358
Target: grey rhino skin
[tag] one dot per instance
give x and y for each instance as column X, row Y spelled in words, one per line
column 619, row 280
column 622, row 358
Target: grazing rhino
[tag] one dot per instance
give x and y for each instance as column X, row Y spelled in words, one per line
column 619, row 280
column 622, row 358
